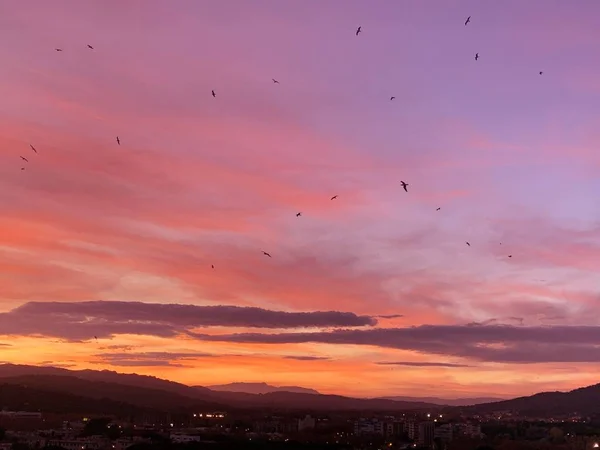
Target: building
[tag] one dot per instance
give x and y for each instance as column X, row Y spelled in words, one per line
column 472, row 430
column 91, row 443
column 275, row 425
column 369, row 426
column 181, row 438
column 21, row 414
column 426, row 434
column 412, row 430
column 443, row 432
column 308, row 423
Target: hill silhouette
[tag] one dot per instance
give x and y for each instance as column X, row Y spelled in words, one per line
column 583, row 401
column 446, row 401
column 150, row 392
column 93, row 390
column 259, row 388
column 20, row 398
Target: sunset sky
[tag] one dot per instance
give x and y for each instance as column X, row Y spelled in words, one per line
column 374, row 293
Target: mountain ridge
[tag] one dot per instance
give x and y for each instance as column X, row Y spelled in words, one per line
column 156, row 393
column 259, row 388
column 107, row 389
column 461, row 401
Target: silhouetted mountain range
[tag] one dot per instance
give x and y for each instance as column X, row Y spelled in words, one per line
column 87, row 391
column 150, row 392
column 446, row 401
column 259, row 388
column 583, row 401
column 20, row 398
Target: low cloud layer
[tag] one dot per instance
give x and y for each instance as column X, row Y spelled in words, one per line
column 419, row 364
column 80, row 321
column 151, row 359
column 494, row 343
column 307, row 358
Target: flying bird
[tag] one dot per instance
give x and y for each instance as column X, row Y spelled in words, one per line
column 89, row 46
column 392, row 98
column 275, row 81
column 213, row 93
column 438, row 209
column 468, row 20
column 358, row 30
column 212, row 265
column 476, row 56
column 118, row 140
column 22, row 168
column 24, row 159
column 404, row 185
column 468, row 244
column 334, row 197
column 510, row 256
column 96, row 337
column 266, row 254
column 541, row 72
column 298, row 214
column 33, row 148
column 58, row 49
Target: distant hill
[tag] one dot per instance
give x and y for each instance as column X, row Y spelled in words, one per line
column 318, row 402
column 108, row 376
column 150, row 392
column 446, row 401
column 584, row 401
column 50, row 389
column 21, row 398
column 141, row 397
column 259, row 388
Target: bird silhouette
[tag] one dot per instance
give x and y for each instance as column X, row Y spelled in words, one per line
column 89, row 46
column 212, row 265
column 334, row 197
column 468, row 244
column 118, row 140
column 266, row 254
column 298, row 214
column 476, row 56
column 404, row 185
column 33, row 148
column 22, row 168
column 213, row 93
column 468, row 20
column 510, row 256
column 541, row 72
column 438, row 209
column 358, row 30
column 392, row 98
column 58, row 49
column 24, row 159
column 96, row 337
column 275, row 81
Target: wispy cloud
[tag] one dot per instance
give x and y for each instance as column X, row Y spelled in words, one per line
column 307, row 358
column 151, row 359
column 419, row 364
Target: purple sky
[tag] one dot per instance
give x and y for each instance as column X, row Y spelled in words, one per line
column 509, row 155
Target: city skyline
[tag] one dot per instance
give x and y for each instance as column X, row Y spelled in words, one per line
column 146, row 255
